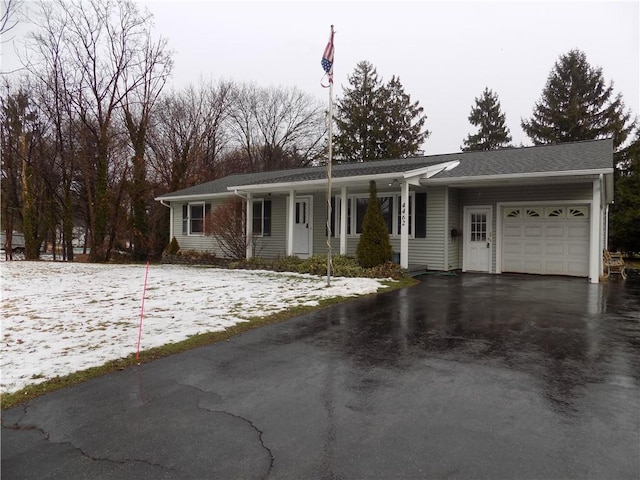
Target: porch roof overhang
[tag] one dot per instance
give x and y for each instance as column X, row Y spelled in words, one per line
column 191, row 197
column 412, row 177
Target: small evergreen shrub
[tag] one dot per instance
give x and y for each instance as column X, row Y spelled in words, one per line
column 374, row 247
column 173, row 247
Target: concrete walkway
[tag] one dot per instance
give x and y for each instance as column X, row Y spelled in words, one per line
column 470, row 376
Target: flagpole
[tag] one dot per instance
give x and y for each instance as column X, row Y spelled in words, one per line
column 327, row 66
column 329, row 181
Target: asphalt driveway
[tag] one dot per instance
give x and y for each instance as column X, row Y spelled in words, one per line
column 468, row 376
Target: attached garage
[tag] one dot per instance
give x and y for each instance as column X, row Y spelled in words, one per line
column 547, row 240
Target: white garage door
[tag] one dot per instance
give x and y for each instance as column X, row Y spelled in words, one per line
column 546, row 240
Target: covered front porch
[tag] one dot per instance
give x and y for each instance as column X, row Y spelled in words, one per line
column 341, row 208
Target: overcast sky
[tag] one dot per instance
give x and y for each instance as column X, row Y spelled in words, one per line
column 445, row 53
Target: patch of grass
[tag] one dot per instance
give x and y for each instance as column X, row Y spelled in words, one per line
column 632, row 263
column 33, row 391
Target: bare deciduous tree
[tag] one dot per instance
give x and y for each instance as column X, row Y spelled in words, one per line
column 105, row 50
column 227, row 224
column 138, row 104
column 276, row 128
column 8, row 15
column 188, row 135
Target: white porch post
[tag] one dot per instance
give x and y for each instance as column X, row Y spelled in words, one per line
column 292, row 213
column 249, row 226
column 595, row 253
column 343, row 221
column 404, row 225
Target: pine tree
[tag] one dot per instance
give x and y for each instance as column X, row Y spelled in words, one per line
column 377, row 121
column 577, row 104
column 488, row 117
column 374, row 247
column 625, row 212
column 402, row 123
column 358, row 116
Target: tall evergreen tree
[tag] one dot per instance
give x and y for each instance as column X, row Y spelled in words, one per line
column 377, row 121
column 488, row 117
column 625, row 212
column 358, row 115
column 402, row 122
column 577, row 104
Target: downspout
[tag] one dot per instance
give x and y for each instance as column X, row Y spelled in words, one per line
column 168, row 205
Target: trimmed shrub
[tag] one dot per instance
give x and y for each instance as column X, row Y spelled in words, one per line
column 374, row 247
column 173, row 247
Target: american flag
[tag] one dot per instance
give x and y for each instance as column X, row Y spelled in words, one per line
column 327, row 58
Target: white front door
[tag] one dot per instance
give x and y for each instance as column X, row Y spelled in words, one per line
column 302, row 228
column 477, row 239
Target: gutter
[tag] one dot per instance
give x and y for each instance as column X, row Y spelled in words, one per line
column 520, row 176
column 186, row 198
column 236, row 192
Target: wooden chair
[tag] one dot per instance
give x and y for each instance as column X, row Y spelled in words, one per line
column 614, row 263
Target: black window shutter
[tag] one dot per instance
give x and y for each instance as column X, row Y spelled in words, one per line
column 333, row 217
column 421, row 215
column 266, row 225
column 207, row 211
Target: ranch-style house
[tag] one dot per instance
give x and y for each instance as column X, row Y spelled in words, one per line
column 539, row 210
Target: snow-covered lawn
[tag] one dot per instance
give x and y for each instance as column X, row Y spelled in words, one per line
column 58, row 318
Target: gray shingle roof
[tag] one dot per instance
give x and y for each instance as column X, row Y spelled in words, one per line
column 565, row 157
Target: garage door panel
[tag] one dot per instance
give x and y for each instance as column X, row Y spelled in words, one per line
column 512, row 231
column 513, row 248
column 554, row 248
column 575, row 268
column 533, row 231
column 555, row 231
column 533, row 248
column 554, row 268
column 578, row 231
column 546, row 245
column 513, row 265
column 532, row 265
column 577, row 249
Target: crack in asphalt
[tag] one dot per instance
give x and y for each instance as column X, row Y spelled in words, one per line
column 16, row 426
column 239, row 417
column 253, row 426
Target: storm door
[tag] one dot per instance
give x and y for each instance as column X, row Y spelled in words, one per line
column 477, row 239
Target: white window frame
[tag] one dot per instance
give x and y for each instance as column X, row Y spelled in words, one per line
column 352, row 220
column 253, row 218
column 190, row 219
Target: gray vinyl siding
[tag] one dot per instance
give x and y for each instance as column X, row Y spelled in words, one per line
column 455, row 221
column 274, row 245
column 526, row 193
column 429, row 252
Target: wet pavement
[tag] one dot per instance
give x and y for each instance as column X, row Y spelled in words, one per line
column 462, row 376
